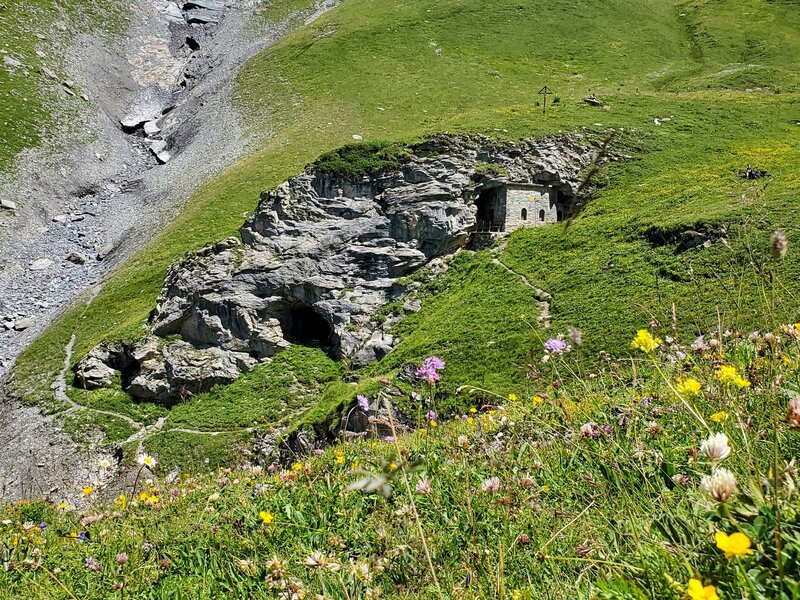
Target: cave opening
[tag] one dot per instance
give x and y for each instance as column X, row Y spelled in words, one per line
column 491, row 210
column 306, row 327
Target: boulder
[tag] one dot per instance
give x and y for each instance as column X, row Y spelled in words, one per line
column 8, row 204
column 93, row 371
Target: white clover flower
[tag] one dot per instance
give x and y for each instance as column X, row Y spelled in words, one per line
column 716, row 447
column 146, row 460
column 720, row 485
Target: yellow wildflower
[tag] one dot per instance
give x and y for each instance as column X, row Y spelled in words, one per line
column 688, row 387
column 297, row 466
column 513, row 397
column 719, row 417
column 393, row 466
column 645, row 341
column 537, row 400
column 697, row 591
column 473, row 410
column 143, row 496
column 736, row 544
column 88, row 490
column 266, row 517
column 434, row 424
column 340, row 459
column 728, row 375
column 122, row 501
column 63, row 506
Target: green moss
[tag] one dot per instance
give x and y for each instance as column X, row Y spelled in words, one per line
column 354, row 161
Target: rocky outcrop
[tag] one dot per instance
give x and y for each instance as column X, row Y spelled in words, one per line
column 322, row 254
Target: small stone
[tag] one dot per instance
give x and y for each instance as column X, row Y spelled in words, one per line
column 23, row 324
column 60, row 219
column 12, row 62
column 8, row 205
column 76, row 258
column 104, row 251
column 151, row 128
column 357, row 137
column 41, row 264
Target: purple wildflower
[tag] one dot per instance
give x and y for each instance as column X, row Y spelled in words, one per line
column 122, row 558
column 42, row 526
column 429, row 371
column 429, row 375
column 84, row 535
column 93, row 564
column 390, row 438
column 433, row 362
column 363, row 402
column 432, row 415
column 556, row 345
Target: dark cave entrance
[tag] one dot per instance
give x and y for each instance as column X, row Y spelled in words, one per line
column 304, row 326
column 491, row 212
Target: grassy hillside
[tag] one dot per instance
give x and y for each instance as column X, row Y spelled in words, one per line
column 595, row 487
column 723, row 73
column 29, row 98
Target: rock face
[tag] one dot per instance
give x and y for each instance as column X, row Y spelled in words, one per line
column 321, row 255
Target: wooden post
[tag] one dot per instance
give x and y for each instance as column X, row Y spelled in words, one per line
column 544, row 92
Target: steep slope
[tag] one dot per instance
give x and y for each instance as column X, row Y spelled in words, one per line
column 694, row 91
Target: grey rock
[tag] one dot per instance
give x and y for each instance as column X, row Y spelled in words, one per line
column 412, row 306
column 8, row 205
column 202, row 16
column 180, row 369
column 205, row 4
column 104, row 251
column 93, row 371
column 23, row 324
column 151, row 128
column 173, row 13
column 41, row 264
column 12, row 62
column 76, row 258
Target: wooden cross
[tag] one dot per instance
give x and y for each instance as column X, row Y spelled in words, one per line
column 544, row 92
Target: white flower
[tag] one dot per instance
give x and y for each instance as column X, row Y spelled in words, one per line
column 105, row 464
column 146, row 460
column 491, row 485
column 716, row 447
column 720, row 485
column 424, row 487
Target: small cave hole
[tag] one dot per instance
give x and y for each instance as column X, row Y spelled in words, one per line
column 306, row 327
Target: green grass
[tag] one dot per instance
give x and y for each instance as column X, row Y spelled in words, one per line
column 372, row 69
column 597, row 516
column 267, row 395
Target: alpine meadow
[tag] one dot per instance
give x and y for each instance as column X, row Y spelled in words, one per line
column 359, row 299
